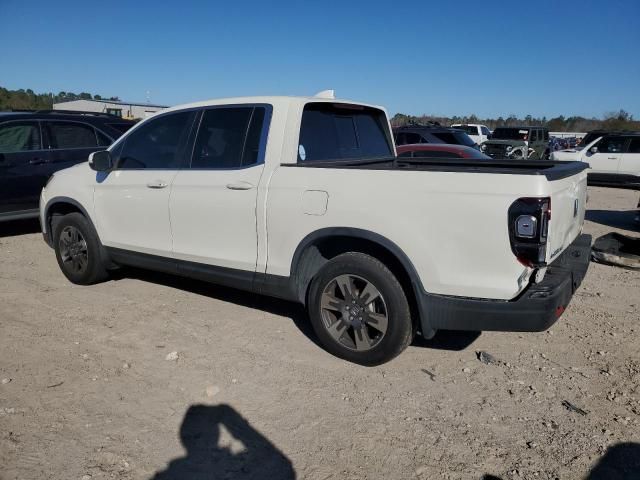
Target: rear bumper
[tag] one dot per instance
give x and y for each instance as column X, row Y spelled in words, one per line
column 534, row 310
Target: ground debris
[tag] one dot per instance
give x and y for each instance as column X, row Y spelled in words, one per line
column 487, row 358
column 571, row 407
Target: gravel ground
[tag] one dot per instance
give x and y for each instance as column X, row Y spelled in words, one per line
column 147, row 375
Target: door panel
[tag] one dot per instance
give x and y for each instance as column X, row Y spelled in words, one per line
column 22, row 166
column 213, row 217
column 133, row 215
column 132, row 201
column 630, row 160
column 213, row 203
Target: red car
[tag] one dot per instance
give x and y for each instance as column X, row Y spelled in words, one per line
column 439, row 150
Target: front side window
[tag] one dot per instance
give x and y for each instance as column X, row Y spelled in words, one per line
column 485, row 131
column 229, row 137
column 611, row 144
column 158, row 143
column 114, row 111
column 65, row 135
column 332, row 131
column 19, row 137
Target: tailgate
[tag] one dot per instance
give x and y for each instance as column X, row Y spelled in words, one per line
column 568, row 203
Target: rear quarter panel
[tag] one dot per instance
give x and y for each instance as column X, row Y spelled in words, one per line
column 452, row 226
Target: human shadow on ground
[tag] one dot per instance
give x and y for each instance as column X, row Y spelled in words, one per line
column 620, row 462
column 13, row 228
column 444, row 340
column 201, row 434
column 614, row 218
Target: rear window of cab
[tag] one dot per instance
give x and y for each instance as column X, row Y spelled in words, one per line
column 335, row 131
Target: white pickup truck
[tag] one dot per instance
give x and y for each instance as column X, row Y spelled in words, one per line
column 303, row 198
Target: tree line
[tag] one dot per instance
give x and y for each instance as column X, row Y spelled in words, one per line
column 620, row 120
column 29, row 100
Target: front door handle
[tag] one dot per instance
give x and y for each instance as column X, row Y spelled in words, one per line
column 612, row 158
column 240, row 186
column 37, row 161
column 157, row 184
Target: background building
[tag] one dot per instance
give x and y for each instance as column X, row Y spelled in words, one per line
column 129, row 110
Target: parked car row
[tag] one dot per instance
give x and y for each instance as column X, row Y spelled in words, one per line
column 34, row 145
column 305, row 199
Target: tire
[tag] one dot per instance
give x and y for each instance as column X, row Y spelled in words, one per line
column 78, row 249
column 359, row 310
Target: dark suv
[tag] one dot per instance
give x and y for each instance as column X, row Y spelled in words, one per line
column 412, row 134
column 35, row 144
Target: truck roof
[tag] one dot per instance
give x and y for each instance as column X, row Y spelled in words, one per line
column 274, row 100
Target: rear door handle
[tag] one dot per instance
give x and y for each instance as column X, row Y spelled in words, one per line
column 37, row 161
column 240, row 186
column 157, row 184
column 612, row 158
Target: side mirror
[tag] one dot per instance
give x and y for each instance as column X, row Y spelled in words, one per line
column 100, row 161
column 593, row 149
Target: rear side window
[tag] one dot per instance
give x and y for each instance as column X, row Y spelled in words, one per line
column 229, row 137
column 634, row 146
column 19, row 137
column 331, row 131
column 64, row 135
column 158, row 143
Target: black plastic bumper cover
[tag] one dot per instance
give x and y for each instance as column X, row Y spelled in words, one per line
column 534, row 310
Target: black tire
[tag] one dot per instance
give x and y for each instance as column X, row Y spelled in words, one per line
column 86, row 246
column 390, row 302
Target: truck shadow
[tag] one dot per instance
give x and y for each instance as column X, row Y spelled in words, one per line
column 615, row 218
column 14, row 228
column 244, row 454
column 444, row 340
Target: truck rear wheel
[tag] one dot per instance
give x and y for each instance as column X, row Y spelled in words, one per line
column 359, row 310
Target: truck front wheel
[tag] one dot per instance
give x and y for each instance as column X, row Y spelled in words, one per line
column 359, row 310
column 78, row 249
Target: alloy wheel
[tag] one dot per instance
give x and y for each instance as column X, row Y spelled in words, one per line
column 73, row 250
column 354, row 312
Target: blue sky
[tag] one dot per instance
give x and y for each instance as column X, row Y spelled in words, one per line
column 440, row 58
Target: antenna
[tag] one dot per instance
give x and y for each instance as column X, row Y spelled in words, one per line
column 326, row 94
column 148, row 96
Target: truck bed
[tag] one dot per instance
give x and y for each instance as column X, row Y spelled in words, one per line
column 552, row 170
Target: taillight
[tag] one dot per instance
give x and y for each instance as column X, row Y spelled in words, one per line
column 528, row 230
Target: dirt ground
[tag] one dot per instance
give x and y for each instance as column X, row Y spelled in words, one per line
column 92, row 387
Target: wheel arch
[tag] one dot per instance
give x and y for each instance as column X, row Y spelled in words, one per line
column 322, row 245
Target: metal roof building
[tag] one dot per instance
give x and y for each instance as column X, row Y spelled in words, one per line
column 129, row 110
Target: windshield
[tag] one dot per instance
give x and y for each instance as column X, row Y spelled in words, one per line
column 468, row 129
column 503, row 133
column 588, row 138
